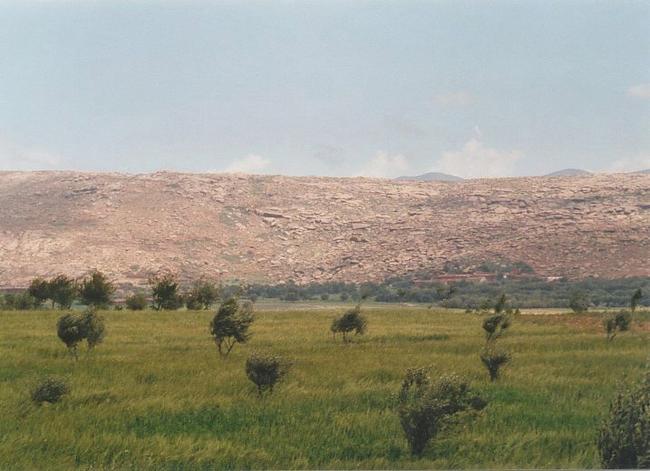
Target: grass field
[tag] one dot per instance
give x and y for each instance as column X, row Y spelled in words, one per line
column 156, row 395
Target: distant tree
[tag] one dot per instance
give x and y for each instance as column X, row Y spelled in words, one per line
column 165, row 293
column 579, row 302
column 324, row 297
column 624, row 438
column 231, row 323
column 493, row 361
column 202, row 295
column 619, row 323
column 63, row 291
column 494, row 326
column 345, row 296
column 19, row 301
column 501, row 304
column 425, row 408
column 351, row 320
column 96, row 290
column 39, row 289
column 636, row 297
column 136, row 301
column 265, row 371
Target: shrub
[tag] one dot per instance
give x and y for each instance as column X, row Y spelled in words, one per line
column 203, row 295
column 230, row 324
column 624, row 438
column 164, row 292
column 39, row 289
column 578, row 302
column 266, row 370
column 634, row 300
column 74, row 328
column 20, row 301
column 49, row 390
column 93, row 328
column 351, row 320
column 619, row 323
column 96, row 290
column 424, row 408
column 493, row 361
column 136, row 302
column 496, row 325
column 63, row 291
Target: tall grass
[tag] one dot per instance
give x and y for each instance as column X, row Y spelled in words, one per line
column 155, row 394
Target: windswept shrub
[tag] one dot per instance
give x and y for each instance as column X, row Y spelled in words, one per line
column 265, row 371
column 74, row 328
column 202, row 295
column 62, row 291
column 579, row 302
column 425, row 408
column 96, row 290
column 350, row 321
column 136, row 302
column 49, row 390
column 635, row 299
column 493, row 361
column 164, row 292
column 619, row 323
column 93, row 328
column 624, row 438
column 494, row 326
column 39, row 289
column 231, row 324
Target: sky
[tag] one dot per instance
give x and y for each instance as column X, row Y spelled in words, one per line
column 338, row 88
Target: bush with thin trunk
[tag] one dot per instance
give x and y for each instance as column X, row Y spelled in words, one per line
column 350, row 321
column 265, row 371
column 231, row 323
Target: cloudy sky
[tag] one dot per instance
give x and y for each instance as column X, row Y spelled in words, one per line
column 376, row 88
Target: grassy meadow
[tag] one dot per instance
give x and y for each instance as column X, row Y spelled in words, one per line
column 155, row 394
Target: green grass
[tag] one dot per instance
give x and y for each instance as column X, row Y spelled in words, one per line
column 155, row 394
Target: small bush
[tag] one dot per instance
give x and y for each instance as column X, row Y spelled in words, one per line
column 494, row 326
column 619, row 323
column 202, row 295
column 624, row 438
column 579, row 302
column 49, row 390
column 425, row 408
column 136, row 302
column 231, row 324
column 265, row 371
column 493, row 361
column 74, row 328
column 350, row 321
column 93, row 328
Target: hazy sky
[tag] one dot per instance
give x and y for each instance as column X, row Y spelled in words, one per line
column 479, row 88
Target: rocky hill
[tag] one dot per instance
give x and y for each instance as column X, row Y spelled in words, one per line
column 275, row 228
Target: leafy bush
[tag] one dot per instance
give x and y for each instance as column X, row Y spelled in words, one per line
column 96, row 290
column 49, row 390
column 18, row 301
column 164, row 292
column 619, row 323
column 93, row 328
column 425, row 408
column 493, row 361
column 351, row 320
column 579, row 302
column 136, row 302
column 39, row 289
column 74, row 328
column 624, row 438
column 203, row 295
column 635, row 299
column 266, row 370
column 494, row 326
column 62, row 291
column 230, row 324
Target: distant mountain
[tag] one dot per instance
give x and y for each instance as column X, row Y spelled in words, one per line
column 569, row 172
column 432, row 177
column 647, row 170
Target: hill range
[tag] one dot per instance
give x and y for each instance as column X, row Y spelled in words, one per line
column 277, row 228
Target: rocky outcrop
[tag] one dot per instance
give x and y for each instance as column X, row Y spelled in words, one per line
column 275, row 228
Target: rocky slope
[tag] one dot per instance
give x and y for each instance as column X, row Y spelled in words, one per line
column 274, row 228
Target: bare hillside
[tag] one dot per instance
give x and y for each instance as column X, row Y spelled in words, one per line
column 274, row 228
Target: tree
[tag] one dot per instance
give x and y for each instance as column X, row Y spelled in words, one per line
column 579, row 302
column 136, row 302
column 266, row 370
column 493, row 361
column 96, row 290
column 636, row 297
column 424, row 408
column 74, row 328
column 63, row 291
column 624, row 438
column 231, row 324
column 619, row 323
column 495, row 326
column 351, row 320
column 39, row 289
column 93, row 328
column 164, row 292
column 202, row 295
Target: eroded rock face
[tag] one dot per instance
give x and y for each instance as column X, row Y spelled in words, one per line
column 275, row 228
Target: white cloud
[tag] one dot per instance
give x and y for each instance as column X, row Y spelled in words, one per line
column 641, row 90
column 17, row 157
column 455, row 98
column 475, row 160
column 630, row 164
column 250, row 164
column 384, row 165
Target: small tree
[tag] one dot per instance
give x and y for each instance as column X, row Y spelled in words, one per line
column 231, row 324
column 93, row 328
column 493, row 361
column 624, row 438
column 96, row 290
column 494, row 326
column 349, row 321
column 49, row 390
column 425, row 408
column 39, row 289
column 136, row 302
column 70, row 331
column 164, row 292
column 202, row 295
column 619, row 323
column 63, row 291
column 579, row 302
column 266, row 370
column 635, row 299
